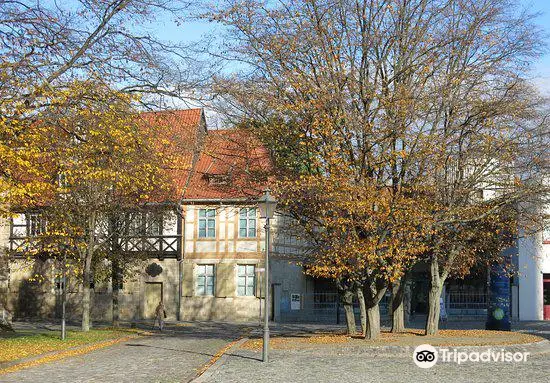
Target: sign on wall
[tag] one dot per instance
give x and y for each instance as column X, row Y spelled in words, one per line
column 295, row 302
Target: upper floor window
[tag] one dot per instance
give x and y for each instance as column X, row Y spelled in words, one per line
column 205, row 280
column 37, row 225
column 153, row 223
column 247, row 222
column 148, row 224
column 207, row 223
column 245, row 280
column 28, row 225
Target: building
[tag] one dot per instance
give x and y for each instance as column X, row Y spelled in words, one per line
column 204, row 252
column 533, row 287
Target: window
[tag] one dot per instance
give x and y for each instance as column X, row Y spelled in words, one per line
column 148, row 224
column 245, row 282
column 207, row 223
column 205, row 280
column 247, row 222
column 59, row 284
column 153, row 224
column 134, row 224
column 37, row 225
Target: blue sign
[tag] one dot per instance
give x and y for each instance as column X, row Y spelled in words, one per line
column 498, row 309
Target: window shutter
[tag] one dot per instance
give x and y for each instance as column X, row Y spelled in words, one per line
column 260, row 293
column 187, row 280
column 225, row 280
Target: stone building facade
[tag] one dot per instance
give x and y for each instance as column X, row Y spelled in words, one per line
column 206, row 260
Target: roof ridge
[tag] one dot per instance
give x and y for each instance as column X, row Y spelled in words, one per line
column 170, row 110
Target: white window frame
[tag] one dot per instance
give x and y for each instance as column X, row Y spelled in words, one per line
column 245, row 273
column 209, row 229
column 205, row 279
column 37, row 225
column 247, row 216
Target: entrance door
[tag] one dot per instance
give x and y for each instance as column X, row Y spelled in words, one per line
column 546, row 296
column 153, row 295
column 419, row 292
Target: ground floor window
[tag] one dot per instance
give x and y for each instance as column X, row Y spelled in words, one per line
column 205, row 280
column 245, row 282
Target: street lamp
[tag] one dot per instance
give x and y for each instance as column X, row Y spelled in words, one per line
column 267, row 205
column 63, row 286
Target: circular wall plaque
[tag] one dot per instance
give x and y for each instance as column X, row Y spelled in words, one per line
column 153, row 269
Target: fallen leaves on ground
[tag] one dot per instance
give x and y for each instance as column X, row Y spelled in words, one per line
column 411, row 337
column 23, row 345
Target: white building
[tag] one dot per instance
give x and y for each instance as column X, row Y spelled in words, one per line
column 533, row 295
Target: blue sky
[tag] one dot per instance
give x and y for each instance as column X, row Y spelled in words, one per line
column 541, row 69
column 188, row 32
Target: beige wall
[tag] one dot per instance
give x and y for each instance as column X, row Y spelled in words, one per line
column 226, row 251
column 4, row 264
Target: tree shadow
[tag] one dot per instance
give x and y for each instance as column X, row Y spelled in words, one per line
column 188, row 351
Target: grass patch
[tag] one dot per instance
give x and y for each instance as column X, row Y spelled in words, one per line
column 20, row 345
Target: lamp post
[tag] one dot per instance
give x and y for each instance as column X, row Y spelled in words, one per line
column 63, row 286
column 267, row 205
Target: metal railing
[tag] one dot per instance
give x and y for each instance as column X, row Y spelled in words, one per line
column 466, row 303
column 323, row 307
column 326, row 307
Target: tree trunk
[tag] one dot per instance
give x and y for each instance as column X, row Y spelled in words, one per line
column 86, row 295
column 397, row 306
column 373, row 319
column 373, row 295
column 116, row 282
column 432, row 324
column 347, row 301
column 87, row 273
column 436, row 287
column 362, row 310
column 407, row 295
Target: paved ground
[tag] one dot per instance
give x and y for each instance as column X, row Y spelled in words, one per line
column 294, row 366
column 174, row 356
column 341, row 364
column 539, row 328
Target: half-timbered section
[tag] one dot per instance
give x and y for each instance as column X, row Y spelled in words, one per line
column 154, row 232
column 223, row 262
column 223, row 235
column 150, row 234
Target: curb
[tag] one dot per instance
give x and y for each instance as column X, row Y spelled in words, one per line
column 217, row 361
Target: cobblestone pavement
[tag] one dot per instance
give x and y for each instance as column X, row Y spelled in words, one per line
column 177, row 354
column 297, row 366
column 173, row 356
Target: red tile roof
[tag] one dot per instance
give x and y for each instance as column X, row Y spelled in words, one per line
column 180, row 137
column 233, row 165
column 218, row 164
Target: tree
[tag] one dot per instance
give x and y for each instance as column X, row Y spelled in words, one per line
column 487, row 131
column 388, row 118
column 336, row 96
column 102, row 166
column 44, row 47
